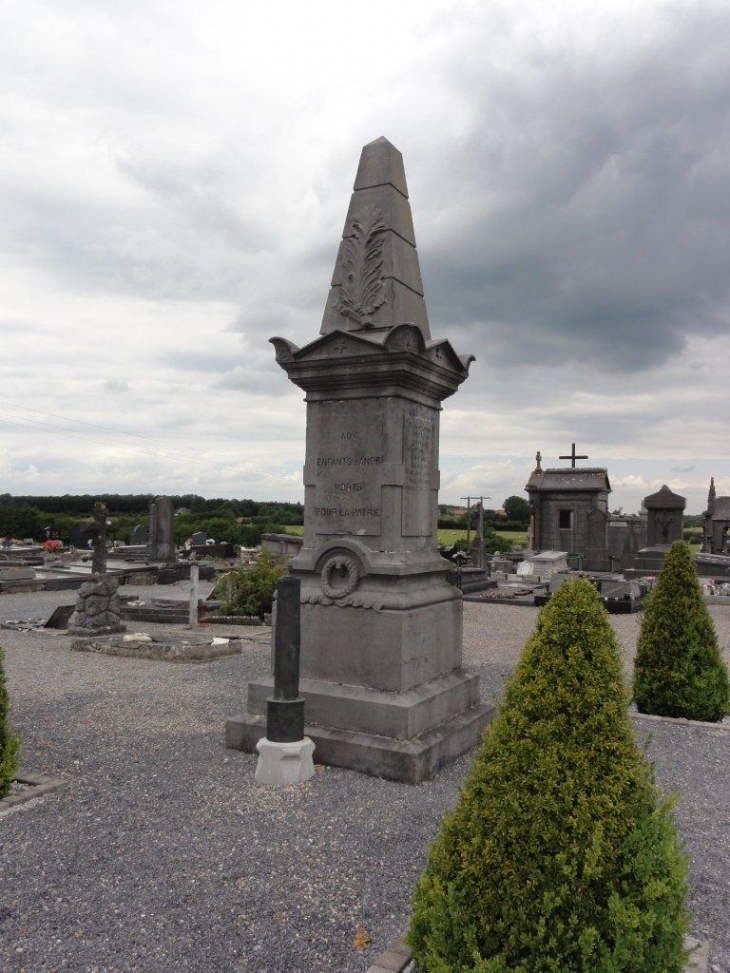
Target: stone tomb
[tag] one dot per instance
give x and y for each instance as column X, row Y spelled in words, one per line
column 544, row 565
column 381, row 626
column 569, row 509
column 665, row 519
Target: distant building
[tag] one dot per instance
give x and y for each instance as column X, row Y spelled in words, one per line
column 569, row 512
column 716, row 534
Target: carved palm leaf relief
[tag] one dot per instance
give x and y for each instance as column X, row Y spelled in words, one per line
column 362, row 290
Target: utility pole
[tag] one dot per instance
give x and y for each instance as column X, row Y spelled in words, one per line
column 480, row 527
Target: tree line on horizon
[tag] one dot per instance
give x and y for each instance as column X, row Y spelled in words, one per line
column 236, row 521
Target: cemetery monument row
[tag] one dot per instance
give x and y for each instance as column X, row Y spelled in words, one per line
column 381, row 627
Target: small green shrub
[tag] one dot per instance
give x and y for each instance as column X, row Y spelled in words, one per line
column 678, row 670
column 8, row 743
column 559, row 855
column 249, row 591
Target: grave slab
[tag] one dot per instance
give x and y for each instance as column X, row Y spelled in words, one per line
column 170, row 648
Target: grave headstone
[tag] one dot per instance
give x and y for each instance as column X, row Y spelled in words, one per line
column 381, row 627
column 78, row 538
column 626, row 537
column 140, row 535
column 199, row 538
column 162, row 541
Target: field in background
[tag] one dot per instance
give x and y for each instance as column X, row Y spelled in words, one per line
column 449, row 537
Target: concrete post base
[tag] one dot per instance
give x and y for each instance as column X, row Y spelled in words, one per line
column 409, row 761
column 284, row 763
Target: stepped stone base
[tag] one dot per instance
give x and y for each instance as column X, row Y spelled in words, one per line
column 649, row 561
column 409, row 761
column 365, row 710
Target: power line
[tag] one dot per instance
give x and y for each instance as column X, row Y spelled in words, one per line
column 96, row 425
column 35, row 425
column 188, row 452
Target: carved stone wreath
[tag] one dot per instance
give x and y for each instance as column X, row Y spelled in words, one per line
column 337, row 563
column 361, row 293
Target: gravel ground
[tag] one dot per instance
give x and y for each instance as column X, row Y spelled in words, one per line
column 162, row 854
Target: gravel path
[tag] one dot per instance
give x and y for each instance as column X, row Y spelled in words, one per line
column 162, row 855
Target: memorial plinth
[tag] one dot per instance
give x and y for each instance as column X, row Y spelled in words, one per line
column 381, row 627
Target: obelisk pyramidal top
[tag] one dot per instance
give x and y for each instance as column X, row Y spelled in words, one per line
column 377, row 283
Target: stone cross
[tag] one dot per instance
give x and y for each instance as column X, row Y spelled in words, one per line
column 572, row 456
column 97, row 529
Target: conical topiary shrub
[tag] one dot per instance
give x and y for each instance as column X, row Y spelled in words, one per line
column 678, row 670
column 8, row 743
column 559, row 856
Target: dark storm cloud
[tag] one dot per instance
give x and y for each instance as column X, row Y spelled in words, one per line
column 600, row 183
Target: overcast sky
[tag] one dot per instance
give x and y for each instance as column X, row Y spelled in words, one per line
column 174, row 178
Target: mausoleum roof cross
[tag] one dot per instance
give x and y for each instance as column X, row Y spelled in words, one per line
column 572, row 456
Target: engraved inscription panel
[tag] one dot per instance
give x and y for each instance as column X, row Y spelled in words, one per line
column 420, row 459
column 345, row 463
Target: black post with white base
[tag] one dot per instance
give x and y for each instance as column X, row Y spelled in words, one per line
column 285, row 754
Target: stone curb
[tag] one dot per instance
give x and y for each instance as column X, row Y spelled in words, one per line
column 397, row 958
column 41, row 785
column 679, row 721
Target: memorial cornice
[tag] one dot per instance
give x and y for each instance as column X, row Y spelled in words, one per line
column 397, row 361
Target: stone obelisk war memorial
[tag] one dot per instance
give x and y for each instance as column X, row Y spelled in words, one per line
column 381, row 627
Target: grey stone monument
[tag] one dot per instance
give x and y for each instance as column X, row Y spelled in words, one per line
column 98, row 529
column 665, row 517
column 162, row 542
column 716, row 535
column 381, row 627
column 97, row 610
column 664, row 525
